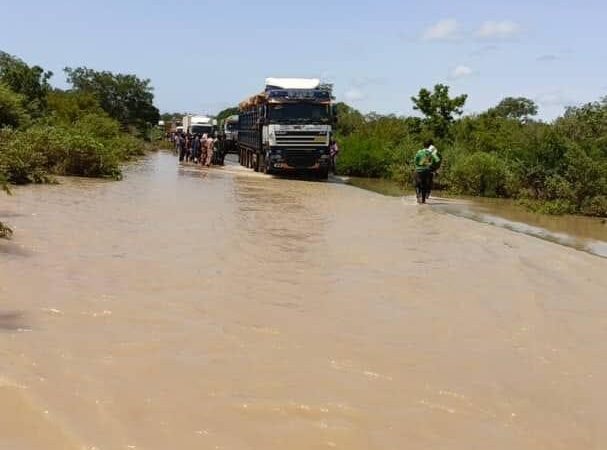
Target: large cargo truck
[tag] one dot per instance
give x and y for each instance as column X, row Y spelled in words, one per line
column 195, row 124
column 286, row 127
column 229, row 134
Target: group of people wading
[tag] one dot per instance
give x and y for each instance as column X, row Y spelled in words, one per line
column 196, row 148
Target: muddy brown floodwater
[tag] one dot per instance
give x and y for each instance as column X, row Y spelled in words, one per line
column 588, row 234
column 192, row 309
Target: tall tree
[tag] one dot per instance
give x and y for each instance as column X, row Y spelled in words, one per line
column 438, row 108
column 519, row 108
column 30, row 82
column 126, row 98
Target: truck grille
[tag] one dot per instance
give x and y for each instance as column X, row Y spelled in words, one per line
column 300, row 158
column 301, row 138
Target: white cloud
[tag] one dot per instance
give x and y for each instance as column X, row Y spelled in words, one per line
column 443, row 30
column 498, row 29
column 354, row 95
column 461, row 72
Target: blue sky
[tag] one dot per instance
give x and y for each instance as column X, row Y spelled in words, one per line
column 202, row 56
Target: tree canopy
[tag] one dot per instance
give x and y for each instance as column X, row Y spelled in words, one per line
column 438, row 108
column 69, row 106
column 519, row 108
column 126, row 98
column 31, row 82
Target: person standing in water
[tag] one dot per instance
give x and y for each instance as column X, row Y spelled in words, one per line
column 423, row 162
column 196, row 149
column 180, row 145
column 203, row 148
column 210, row 144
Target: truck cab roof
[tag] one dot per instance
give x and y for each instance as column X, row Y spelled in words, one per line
column 292, row 83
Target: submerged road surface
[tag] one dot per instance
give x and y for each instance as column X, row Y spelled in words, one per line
column 220, row 309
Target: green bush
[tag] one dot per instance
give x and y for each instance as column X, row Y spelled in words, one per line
column 21, row 163
column 555, row 207
column 84, row 155
column 127, row 146
column 99, row 126
column 480, row 174
column 5, row 232
column 32, row 155
column 400, row 158
column 12, row 112
column 363, row 156
column 596, row 206
column 556, row 186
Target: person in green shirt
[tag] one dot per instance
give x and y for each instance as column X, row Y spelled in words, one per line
column 425, row 161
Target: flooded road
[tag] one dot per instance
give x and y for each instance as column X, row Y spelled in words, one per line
column 584, row 233
column 192, row 309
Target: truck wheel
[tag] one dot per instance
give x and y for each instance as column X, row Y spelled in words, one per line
column 257, row 162
column 268, row 169
column 323, row 174
column 262, row 162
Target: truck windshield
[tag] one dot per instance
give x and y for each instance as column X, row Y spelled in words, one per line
column 300, row 113
column 201, row 129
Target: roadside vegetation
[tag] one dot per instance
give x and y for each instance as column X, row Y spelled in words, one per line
column 555, row 168
column 101, row 121
column 87, row 130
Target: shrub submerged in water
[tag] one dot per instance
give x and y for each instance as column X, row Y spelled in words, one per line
column 363, row 156
column 480, row 174
column 85, row 150
column 5, row 232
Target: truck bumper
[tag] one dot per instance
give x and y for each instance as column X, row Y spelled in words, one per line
column 281, row 158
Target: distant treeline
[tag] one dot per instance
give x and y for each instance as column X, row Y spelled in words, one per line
column 558, row 167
